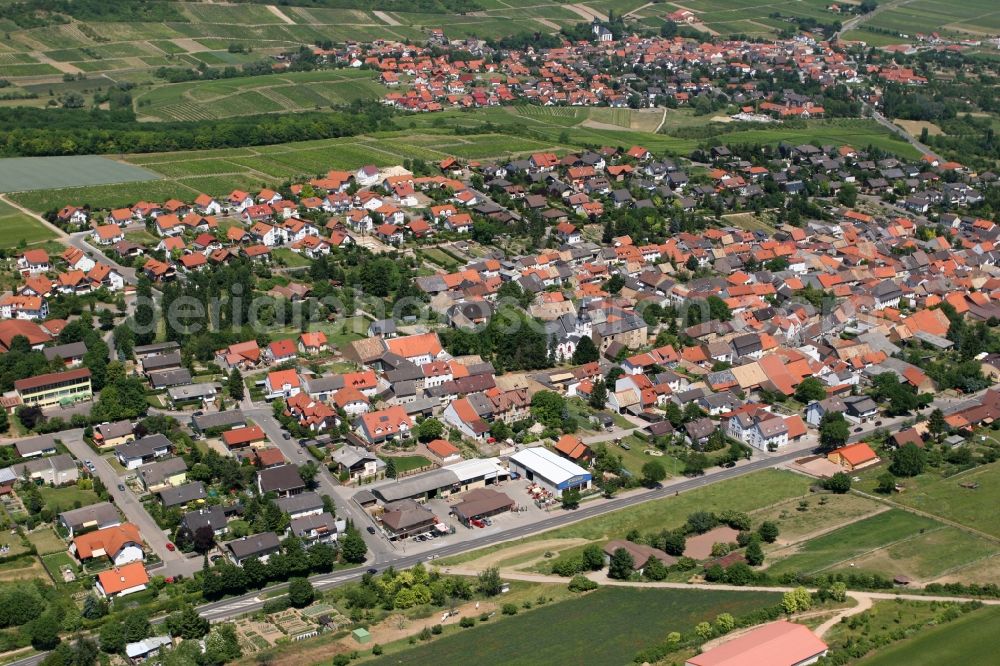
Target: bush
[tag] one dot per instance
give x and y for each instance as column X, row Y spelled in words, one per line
column 467, row 622
column 509, row 609
column 437, row 629
column 276, row 605
column 568, row 566
column 581, row 583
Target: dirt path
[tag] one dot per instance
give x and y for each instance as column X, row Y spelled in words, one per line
column 532, row 546
column 864, row 603
column 61, row 236
column 280, row 14
column 586, row 13
column 189, row 45
column 64, row 67
column 548, row 24
column 385, row 17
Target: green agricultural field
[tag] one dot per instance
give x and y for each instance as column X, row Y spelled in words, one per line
column 837, row 549
column 743, row 493
column 969, row 641
column 944, row 497
column 977, row 18
column 36, row 173
column 294, row 91
column 17, row 228
column 607, row 626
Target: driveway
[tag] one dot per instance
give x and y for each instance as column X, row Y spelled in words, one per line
column 174, row 562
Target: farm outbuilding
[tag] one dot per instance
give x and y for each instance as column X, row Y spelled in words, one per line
column 481, row 503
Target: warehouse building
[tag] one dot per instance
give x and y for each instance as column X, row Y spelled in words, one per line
column 462, row 476
column 550, row 471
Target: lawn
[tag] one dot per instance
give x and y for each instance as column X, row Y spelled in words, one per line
column 408, row 463
column 46, row 541
column 967, row 640
column 944, row 497
column 846, row 544
column 66, row 498
column 36, row 173
column 927, row 556
column 338, row 333
column 608, row 626
column 55, row 562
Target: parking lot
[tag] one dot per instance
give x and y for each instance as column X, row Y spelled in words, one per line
column 525, row 513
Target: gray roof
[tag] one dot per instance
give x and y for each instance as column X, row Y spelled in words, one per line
column 214, row 517
column 154, row 473
column 255, row 544
column 415, row 486
column 115, row 430
column 189, row 391
column 165, row 378
column 71, row 350
column 161, row 361
column 101, row 513
column 27, row 447
column 300, row 502
column 141, row 448
column 218, row 420
column 156, row 348
column 189, row 492
column 280, row 479
column 349, row 456
column 58, row 463
column 304, row 525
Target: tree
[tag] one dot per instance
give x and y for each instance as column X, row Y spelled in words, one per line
column 136, row 626
column 598, row 395
column 593, row 557
column 936, row 424
column 908, row 460
column 112, row 637
column 768, row 531
column 353, row 549
column 390, row 468
column 44, row 632
column 222, row 646
column 430, row 429
column 548, row 408
column 489, row 582
column 585, row 352
column 621, row 565
column 674, row 542
column 704, row 630
column 839, row 483
column 754, row 553
column 833, row 431
column 886, row 483
column 570, row 499
column 203, row 539
column 94, row 607
column 654, row 569
column 187, row 623
column 700, row 522
column 30, row 416
column 724, row 623
column 653, row 472
column 308, row 472
column 810, row 390
column 235, row 387
column 300, row 592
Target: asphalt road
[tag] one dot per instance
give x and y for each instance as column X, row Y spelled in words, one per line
column 379, row 548
column 79, row 241
column 174, row 562
column 229, row 608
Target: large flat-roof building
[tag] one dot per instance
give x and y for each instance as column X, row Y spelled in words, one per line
column 55, row 388
column 550, row 470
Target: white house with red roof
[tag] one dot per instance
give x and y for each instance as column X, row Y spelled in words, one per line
column 281, row 351
column 33, row 261
column 282, row 384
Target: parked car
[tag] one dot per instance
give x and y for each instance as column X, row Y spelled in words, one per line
column 121, row 486
column 371, row 530
column 171, row 547
column 372, row 571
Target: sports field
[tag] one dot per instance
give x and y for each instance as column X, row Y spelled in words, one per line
column 37, row 173
column 608, row 626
